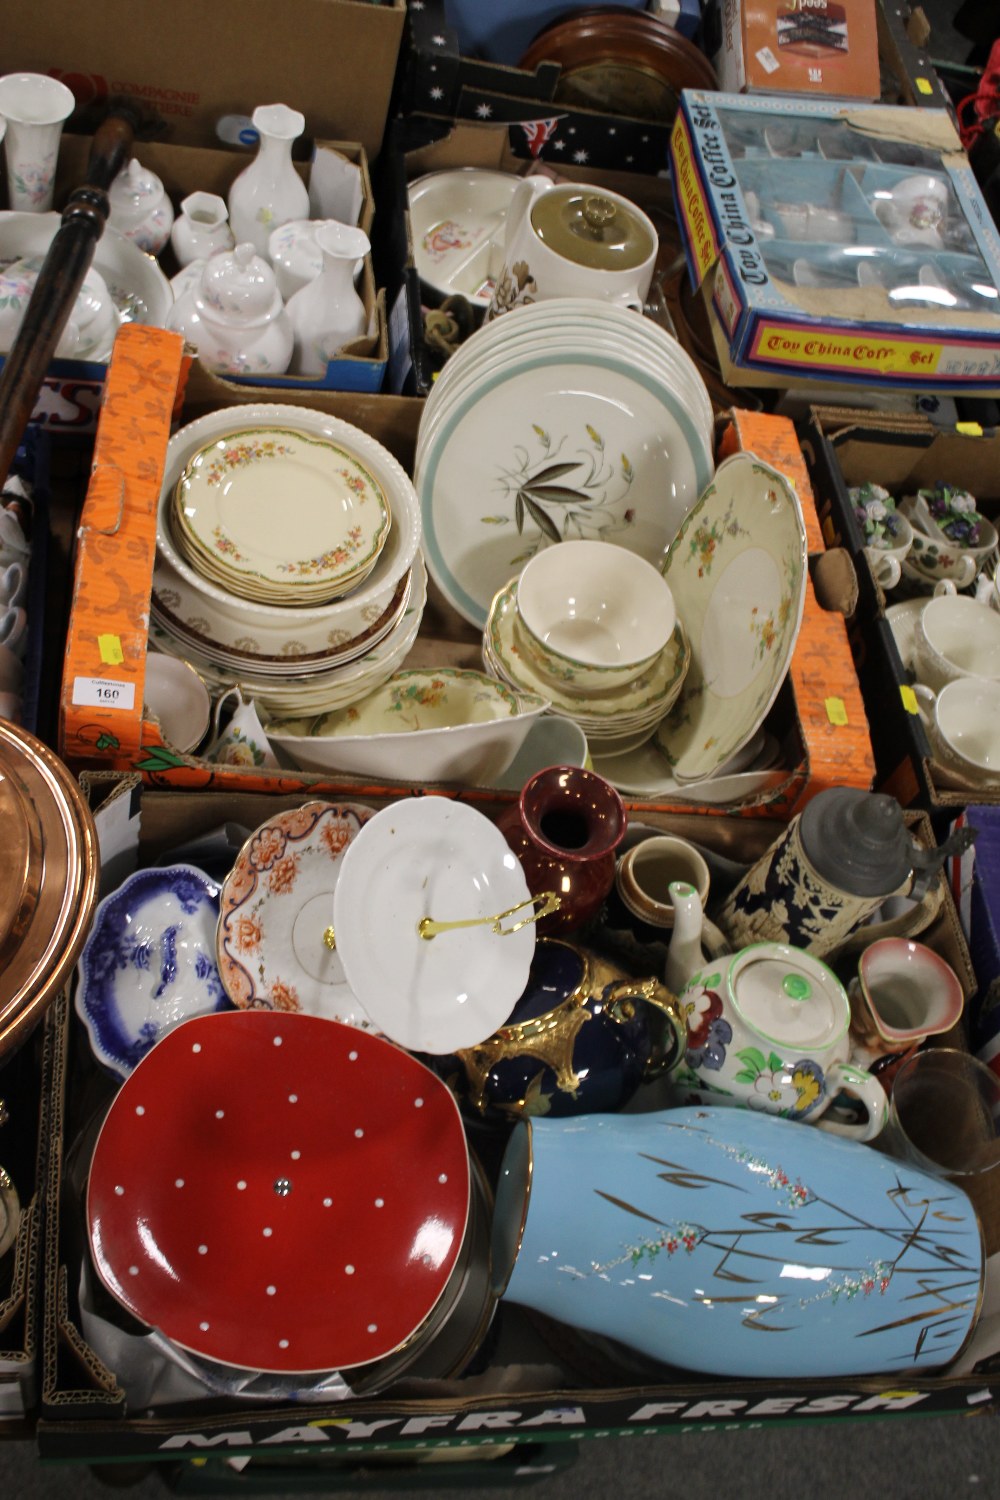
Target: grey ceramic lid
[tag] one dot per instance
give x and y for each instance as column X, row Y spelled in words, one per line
column 858, row 841
column 591, row 229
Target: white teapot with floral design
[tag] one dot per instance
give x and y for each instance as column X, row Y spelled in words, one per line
column 767, row 1028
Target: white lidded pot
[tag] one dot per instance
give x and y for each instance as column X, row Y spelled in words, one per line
column 234, row 316
column 140, row 207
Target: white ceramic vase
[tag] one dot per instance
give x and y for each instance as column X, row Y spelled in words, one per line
column 269, row 191
column 35, row 108
column 328, row 313
column 140, row 208
column 201, row 228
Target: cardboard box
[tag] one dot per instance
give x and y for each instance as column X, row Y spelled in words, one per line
column 340, row 186
column 847, row 448
column 192, row 64
column 787, row 46
column 780, row 200
column 818, row 716
column 525, row 1393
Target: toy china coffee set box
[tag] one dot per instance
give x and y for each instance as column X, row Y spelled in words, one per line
column 837, row 242
column 918, row 508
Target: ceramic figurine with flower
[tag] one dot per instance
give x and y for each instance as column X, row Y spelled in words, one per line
column 952, row 540
column 888, row 534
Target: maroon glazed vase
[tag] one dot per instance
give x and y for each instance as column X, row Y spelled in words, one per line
column 565, row 829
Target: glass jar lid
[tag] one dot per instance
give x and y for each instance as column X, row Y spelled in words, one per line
column 593, row 229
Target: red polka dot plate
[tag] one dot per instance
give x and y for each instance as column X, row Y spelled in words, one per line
column 279, row 1192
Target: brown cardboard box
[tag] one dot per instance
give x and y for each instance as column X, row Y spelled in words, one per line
column 192, row 63
column 778, row 46
column 527, row 1391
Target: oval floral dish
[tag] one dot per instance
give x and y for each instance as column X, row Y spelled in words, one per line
column 442, row 725
column 149, row 963
column 279, row 1193
column 276, row 905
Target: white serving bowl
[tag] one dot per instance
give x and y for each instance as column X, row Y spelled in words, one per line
column 348, row 616
column 444, row 725
column 595, row 615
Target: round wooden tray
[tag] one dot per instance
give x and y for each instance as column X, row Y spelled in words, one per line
column 622, row 62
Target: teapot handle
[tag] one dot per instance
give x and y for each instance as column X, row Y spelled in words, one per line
column 867, row 1091
column 666, row 1051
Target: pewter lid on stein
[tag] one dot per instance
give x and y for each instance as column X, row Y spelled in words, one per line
column 858, row 841
column 593, row 229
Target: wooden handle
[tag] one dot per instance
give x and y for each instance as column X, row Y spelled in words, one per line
column 59, row 280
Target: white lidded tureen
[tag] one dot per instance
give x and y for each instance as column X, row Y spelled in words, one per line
column 234, row 315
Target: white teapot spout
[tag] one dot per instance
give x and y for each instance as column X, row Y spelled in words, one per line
column 693, row 940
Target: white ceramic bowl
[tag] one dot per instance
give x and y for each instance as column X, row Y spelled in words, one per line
column 594, row 615
column 351, row 614
column 140, row 291
column 955, row 637
column 444, row 725
column 177, row 696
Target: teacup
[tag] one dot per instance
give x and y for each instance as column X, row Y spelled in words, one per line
column 904, row 992
column 886, row 567
column 177, row 696
column 935, row 556
column 914, row 210
column 14, row 630
column 963, row 726
column 813, row 221
column 954, row 637
column 768, row 1030
column 645, row 872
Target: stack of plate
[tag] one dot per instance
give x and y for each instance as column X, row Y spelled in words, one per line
column 312, row 656
column 562, row 419
column 614, row 721
column 279, row 516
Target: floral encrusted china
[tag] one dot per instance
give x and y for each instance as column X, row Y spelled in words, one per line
column 280, row 1193
column 579, row 443
column 737, row 569
column 149, row 963
column 280, row 515
column 276, row 905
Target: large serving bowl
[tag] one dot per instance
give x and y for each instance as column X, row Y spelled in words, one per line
column 139, row 290
column 350, row 615
column 443, row 725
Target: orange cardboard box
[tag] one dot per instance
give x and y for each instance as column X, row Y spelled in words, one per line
column 819, row 715
column 791, row 46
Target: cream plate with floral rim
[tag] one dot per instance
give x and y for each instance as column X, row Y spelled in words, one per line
column 738, row 573
column 280, row 515
column 277, row 903
column 642, row 702
column 441, row 725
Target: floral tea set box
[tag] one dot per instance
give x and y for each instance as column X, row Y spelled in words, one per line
column 837, row 241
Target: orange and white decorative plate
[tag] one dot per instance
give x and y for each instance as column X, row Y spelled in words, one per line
column 275, row 908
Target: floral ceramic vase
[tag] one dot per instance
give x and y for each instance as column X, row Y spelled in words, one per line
column 737, row 1244
column 34, row 108
column 201, row 228
column 565, row 829
column 269, row 191
column 582, row 1037
column 328, row 312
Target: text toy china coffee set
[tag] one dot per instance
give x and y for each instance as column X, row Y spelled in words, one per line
column 535, row 1053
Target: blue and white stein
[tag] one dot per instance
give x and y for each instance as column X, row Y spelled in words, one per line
column 690, row 1233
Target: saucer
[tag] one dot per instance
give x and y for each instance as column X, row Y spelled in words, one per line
column 276, row 905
